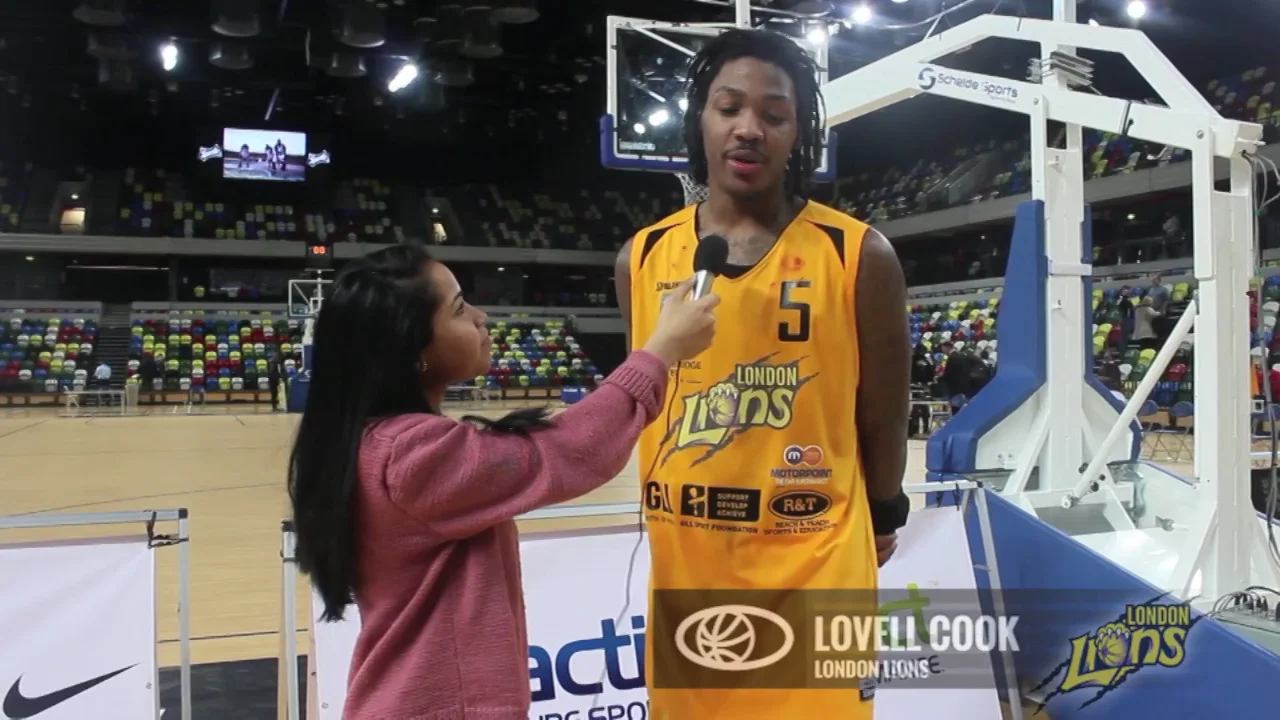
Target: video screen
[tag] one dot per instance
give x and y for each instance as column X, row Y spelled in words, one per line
column 264, row 155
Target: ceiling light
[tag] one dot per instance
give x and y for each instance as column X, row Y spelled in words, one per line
column 1136, row 9
column 403, row 77
column 659, row 117
column 639, row 128
column 169, row 56
column 861, row 15
column 817, row 35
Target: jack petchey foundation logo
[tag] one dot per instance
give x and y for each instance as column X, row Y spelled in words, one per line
column 823, row 639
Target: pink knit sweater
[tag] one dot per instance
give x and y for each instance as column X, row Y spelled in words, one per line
column 441, row 607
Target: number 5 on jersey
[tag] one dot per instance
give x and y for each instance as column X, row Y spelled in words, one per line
column 797, row 331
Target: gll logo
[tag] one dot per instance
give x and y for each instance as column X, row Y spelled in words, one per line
column 927, row 78
column 725, row 638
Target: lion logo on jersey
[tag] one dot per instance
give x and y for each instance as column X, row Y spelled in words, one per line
column 757, row 394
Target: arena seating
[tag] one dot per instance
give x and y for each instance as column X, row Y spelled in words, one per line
column 971, row 324
column 585, row 219
column 536, row 355
column 154, row 203
column 45, row 351
column 10, row 197
column 966, row 324
column 224, row 352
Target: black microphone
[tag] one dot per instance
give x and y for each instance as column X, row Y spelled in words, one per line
column 708, row 262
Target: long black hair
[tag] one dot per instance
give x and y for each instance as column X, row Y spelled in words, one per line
column 367, row 344
column 778, row 50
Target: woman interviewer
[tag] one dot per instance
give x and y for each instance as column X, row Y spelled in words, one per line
column 408, row 514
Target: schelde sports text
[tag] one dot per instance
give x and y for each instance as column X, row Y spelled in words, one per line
column 895, row 633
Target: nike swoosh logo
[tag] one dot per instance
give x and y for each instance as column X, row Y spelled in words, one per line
column 20, row 707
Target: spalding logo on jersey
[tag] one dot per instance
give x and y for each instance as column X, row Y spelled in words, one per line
column 758, row 394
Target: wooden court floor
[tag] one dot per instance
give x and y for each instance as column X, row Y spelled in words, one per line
column 228, row 470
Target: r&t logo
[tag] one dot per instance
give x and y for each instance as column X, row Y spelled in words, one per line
column 757, row 394
column 1145, row 635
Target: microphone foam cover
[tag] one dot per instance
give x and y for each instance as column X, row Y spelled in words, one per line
column 712, row 255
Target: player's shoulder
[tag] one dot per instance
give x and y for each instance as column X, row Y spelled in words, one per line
column 666, row 224
column 646, row 238
column 821, row 214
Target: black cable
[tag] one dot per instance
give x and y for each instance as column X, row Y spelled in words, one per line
column 1264, row 360
column 674, row 391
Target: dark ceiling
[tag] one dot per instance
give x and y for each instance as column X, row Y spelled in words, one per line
column 323, row 65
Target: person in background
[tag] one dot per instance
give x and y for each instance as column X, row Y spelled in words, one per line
column 102, row 376
column 1158, row 293
column 1144, row 329
column 147, row 374
column 981, row 371
column 923, row 373
column 275, row 371
column 410, row 515
column 1126, row 317
column 1109, row 371
column 956, row 376
column 101, row 379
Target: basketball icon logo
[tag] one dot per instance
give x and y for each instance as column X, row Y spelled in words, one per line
column 802, row 455
column 726, row 638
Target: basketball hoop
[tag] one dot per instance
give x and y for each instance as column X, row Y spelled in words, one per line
column 694, row 193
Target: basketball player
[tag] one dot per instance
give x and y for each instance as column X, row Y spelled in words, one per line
column 779, row 463
column 280, row 154
column 270, row 157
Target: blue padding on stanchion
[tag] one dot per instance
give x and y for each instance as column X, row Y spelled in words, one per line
column 1090, row 376
column 299, row 388
column 1020, row 323
column 1223, row 675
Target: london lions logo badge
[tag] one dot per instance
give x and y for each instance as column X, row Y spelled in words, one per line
column 758, row 394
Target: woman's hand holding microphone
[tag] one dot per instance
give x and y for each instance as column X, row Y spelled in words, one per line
column 685, row 327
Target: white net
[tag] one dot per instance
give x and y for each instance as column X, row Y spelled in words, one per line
column 693, row 192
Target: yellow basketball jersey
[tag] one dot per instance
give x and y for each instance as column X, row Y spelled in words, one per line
column 756, row 479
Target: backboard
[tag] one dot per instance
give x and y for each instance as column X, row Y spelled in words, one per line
column 306, row 297
column 647, row 66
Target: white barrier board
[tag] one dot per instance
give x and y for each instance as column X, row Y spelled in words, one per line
column 574, row 585
column 574, row 591
column 933, row 553
column 78, row 630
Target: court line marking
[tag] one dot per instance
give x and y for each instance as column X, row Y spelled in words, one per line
column 24, row 427
column 229, row 636
column 205, row 491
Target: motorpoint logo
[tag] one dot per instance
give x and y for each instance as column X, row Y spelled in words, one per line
column 800, row 455
column 725, row 638
column 802, row 466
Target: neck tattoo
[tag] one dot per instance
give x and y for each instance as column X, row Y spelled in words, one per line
column 748, row 249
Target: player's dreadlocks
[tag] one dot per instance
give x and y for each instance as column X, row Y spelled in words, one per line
column 775, row 49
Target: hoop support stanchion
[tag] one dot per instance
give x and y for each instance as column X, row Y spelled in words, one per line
column 289, row 601
column 148, row 518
